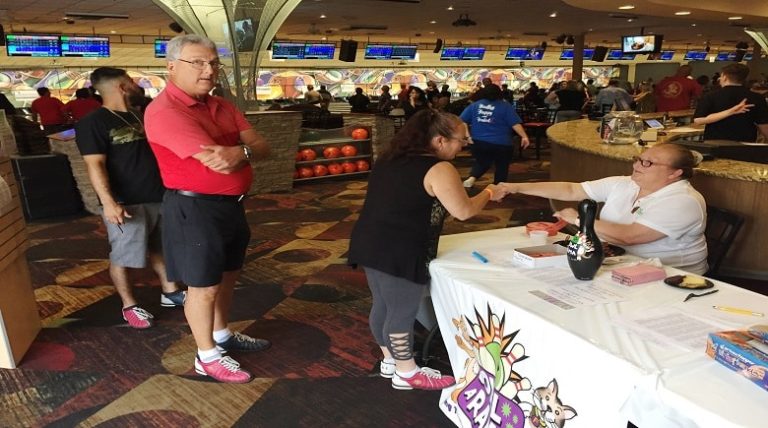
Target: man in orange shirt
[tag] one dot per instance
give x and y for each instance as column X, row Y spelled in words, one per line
column 81, row 105
column 49, row 111
column 677, row 92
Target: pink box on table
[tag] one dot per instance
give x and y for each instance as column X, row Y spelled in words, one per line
column 638, row 274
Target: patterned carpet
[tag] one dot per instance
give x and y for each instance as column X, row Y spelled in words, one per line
column 87, row 368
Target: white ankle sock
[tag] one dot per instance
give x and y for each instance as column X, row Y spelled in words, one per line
column 407, row 375
column 221, row 336
column 389, row 360
column 209, row 356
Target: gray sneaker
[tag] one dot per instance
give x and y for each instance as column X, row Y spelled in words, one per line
column 172, row 300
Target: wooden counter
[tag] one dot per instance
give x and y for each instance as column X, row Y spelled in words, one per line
column 19, row 319
column 578, row 154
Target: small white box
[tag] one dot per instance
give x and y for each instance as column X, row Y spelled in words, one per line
column 551, row 255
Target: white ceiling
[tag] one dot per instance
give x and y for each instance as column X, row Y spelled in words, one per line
column 499, row 22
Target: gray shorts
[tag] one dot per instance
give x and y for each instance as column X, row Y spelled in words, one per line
column 140, row 234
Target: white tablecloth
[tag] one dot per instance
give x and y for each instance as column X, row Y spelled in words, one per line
column 595, row 370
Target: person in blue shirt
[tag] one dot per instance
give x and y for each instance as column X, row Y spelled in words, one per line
column 492, row 122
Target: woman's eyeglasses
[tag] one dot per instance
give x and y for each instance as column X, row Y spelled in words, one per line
column 645, row 163
column 200, row 64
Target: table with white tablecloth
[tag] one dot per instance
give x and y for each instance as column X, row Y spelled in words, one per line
column 532, row 345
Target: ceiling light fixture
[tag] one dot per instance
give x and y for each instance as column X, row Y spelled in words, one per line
column 433, row 22
column 683, row 13
column 627, row 7
column 553, row 15
column 734, row 18
column 322, row 17
column 693, row 25
column 449, row 8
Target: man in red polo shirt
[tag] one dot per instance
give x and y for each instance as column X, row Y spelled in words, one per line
column 204, row 146
column 81, row 105
column 49, row 111
column 677, row 92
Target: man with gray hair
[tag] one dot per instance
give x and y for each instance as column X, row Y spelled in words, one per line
column 204, row 146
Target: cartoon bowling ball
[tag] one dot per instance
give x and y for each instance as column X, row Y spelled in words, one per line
column 349, row 150
column 306, row 172
column 362, row 165
column 320, row 170
column 349, row 167
column 360, row 134
column 331, row 152
column 335, row 169
column 308, row 155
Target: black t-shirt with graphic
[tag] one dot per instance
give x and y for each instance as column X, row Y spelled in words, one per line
column 134, row 177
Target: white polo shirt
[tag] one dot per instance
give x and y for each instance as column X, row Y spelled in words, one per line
column 677, row 210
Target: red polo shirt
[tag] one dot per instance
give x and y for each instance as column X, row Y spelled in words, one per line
column 178, row 124
column 79, row 107
column 49, row 110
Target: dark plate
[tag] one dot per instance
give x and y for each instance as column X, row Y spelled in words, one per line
column 679, row 282
column 609, row 250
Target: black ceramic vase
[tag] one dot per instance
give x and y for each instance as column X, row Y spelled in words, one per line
column 585, row 251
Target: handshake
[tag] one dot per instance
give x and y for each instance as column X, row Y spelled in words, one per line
column 499, row 191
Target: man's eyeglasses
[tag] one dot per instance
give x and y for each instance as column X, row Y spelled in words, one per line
column 645, row 163
column 200, row 64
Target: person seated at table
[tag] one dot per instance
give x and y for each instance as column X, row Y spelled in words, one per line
column 410, row 189
column 655, row 212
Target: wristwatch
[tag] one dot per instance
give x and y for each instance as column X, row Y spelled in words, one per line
column 248, row 152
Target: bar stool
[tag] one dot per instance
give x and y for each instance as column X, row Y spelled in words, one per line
column 537, row 128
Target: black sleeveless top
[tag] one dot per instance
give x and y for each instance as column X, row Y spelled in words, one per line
column 400, row 224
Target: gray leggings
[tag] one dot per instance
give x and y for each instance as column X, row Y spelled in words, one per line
column 395, row 303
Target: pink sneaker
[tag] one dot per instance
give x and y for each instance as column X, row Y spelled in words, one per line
column 425, row 378
column 138, row 317
column 225, row 369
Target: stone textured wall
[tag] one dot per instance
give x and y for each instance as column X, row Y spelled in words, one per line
column 76, row 162
column 281, row 130
column 382, row 129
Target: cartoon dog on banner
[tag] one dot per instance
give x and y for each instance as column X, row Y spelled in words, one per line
column 547, row 411
column 486, row 394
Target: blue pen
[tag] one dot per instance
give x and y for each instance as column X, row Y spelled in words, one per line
column 479, row 256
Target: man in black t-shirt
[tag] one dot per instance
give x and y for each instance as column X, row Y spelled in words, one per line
column 732, row 112
column 123, row 171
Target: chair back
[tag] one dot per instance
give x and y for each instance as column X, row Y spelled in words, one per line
column 721, row 231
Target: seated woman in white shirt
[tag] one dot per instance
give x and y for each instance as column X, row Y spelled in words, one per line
column 655, row 212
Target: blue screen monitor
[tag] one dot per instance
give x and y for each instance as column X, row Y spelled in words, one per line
column 725, row 56
column 32, row 45
column 404, row 52
column 695, row 56
column 82, row 46
column 474, row 53
column 568, row 53
column 618, row 55
column 663, row 56
column 319, row 50
column 287, row 50
column 452, row 53
column 517, row 53
column 535, row 54
column 378, row 51
column 160, row 46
